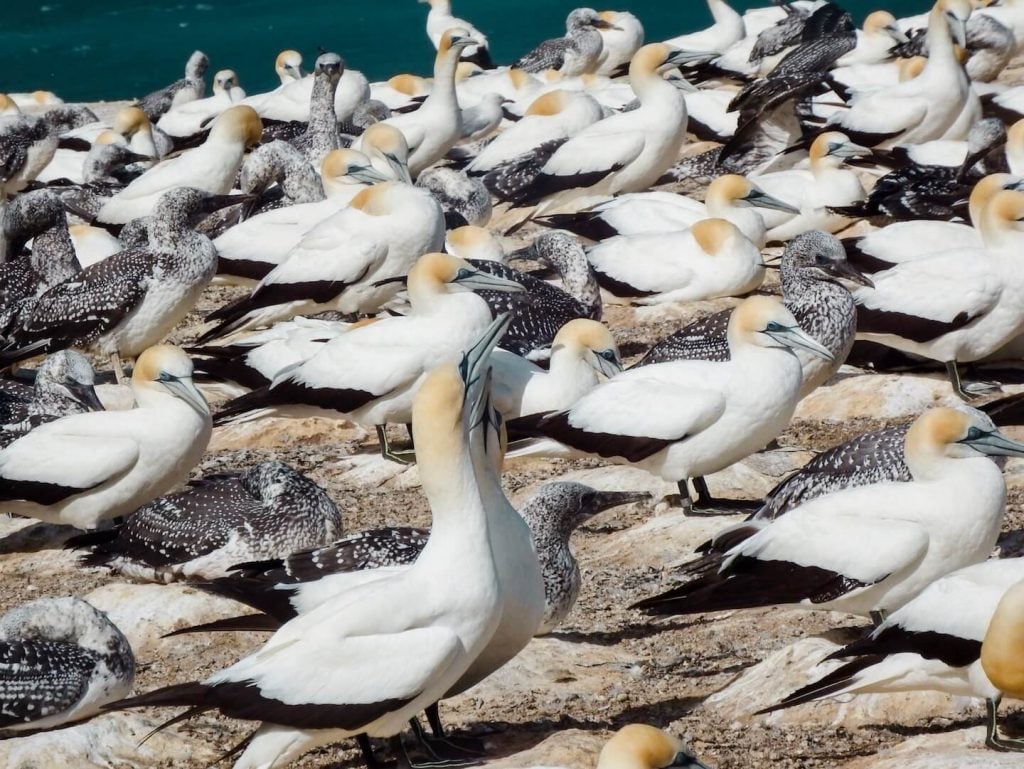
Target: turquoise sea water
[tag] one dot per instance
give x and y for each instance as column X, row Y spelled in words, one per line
column 109, row 49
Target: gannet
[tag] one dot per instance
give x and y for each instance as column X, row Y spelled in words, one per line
column 61, row 661
column 142, row 136
column 708, row 415
column 189, row 118
column 371, row 374
column 814, row 267
column 288, row 66
column 875, row 40
column 131, row 300
column 576, row 53
column 872, row 548
column 1000, row 659
column 434, row 128
column 554, row 116
column 64, row 384
column 938, row 641
column 321, row 134
column 464, row 199
column 619, row 41
column 401, row 641
column 189, row 88
column 265, row 511
column 86, row 468
column 27, row 145
column 248, row 251
column 708, row 260
column 622, row 153
column 827, row 183
column 480, row 120
column 340, row 263
column 955, row 306
column 1009, row 13
column 92, row 244
column 728, row 197
column 211, row 167
column 281, row 175
column 440, row 20
column 471, row 243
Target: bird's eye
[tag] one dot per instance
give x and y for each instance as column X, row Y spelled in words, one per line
column 462, row 274
column 608, row 355
column 974, row 434
column 165, row 377
column 774, row 327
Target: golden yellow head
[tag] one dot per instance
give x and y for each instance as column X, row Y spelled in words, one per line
column 466, row 69
column 961, row 9
column 519, row 78
column 638, row 746
column 878, row 21
column 108, row 137
column 1005, row 207
column 469, row 237
column 753, row 316
column 160, row 359
column 435, row 269
column 648, row 60
column 728, row 188
column 336, row 163
column 1002, row 651
column 986, row 188
column 550, row 103
column 437, row 414
column 375, row 200
column 822, row 146
column 7, row 104
column 130, row 121
column 224, row 80
column 583, row 333
column 288, row 60
column 936, row 429
column 449, row 38
column 238, row 124
column 712, row 234
column 911, row 68
column 410, row 85
column 386, row 139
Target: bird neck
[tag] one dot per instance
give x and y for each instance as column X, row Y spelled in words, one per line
column 653, row 90
column 53, row 254
column 322, row 118
column 443, row 91
column 722, row 12
column 941, row 54
column 578, row 280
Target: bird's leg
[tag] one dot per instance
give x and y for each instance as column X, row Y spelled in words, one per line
column 877, row 616
column 721, row 506
column 435, row 755
column 970, row 391
column 466, row 745
column 992, row 738
column 115, row 364
column 407, row 457
column 367, row 750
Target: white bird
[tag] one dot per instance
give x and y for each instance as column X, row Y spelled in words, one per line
column 870, row 549
column 92, row 244
column 440, row 20
column 290, row 101
column 480, row 120
column 1009, row 13
column 875, row 41
column 712, row 258
column 827, row 183
column 212, row 167
column 583, row 350
column 61, row 661
column 471, row 243
column 619, row 41
column 954, row 306
column 436, row 126
column 87, row 468
column 688, row 418
column 142, row 136
column 342, row 262
column 727, row 30
column 189, row 118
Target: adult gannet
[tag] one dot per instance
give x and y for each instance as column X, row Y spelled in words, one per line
column 211, row 167
column 434, row 128
column 619, row 41
column 576, row 53
column 471, row 243
column 875, row 40
column 874, row 548
column 402, row 641
column 1001, row 661
column 827, row 183
column 554, row 116
column 142, row 136
column 622, row 153
column 1009, row 13
column 340, row 263
column 248, row 251
column 62, row 661
column 265, row 511
column 955, row 306
column 440, row 20
column 189, row 118
column 937, row 641
column 709, row 414
column 86, row 468
column 189, row 88
column 371, row 374
column 710, row 259
column 288, row 66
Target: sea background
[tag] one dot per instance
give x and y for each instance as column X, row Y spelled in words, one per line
column 86, row 50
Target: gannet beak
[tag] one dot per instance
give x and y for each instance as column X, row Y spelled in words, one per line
column 958, row 28
column 896, row 33
column 217, row 202
column 186, row 389
column 849, row 150
column 993, row 443
column 602, row 24
column 401, row 170
column 475, row 371
column 761, row 199
column 477, row 280
column 608, row 363
column 458, row 41
column 524, row 253
column 684, row 760
column 367, row 174
column 86, row 395
column 606, row 500
column 794, row 338
column 846, row 271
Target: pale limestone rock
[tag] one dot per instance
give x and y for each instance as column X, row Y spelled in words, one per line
column 962, row 749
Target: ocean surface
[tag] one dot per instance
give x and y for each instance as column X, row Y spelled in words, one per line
column 88, row 50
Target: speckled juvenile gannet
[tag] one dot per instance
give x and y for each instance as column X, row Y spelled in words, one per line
column 954, row 306
column 576, row 53
column 131, row 300
column 211, row 167
column 708, row 260
column 189, row 88
column 707, row 416
column 440, row 20
column 26, row 147
column 64, row 385
column 321, row 134
column 86, row 468
column 365, row 661
column 265, row 511
column 189, row 118
column 434, row 128
column 464, row 199
column 371, row 373
column 340, row 263
column 873, row 548
column 61, row 661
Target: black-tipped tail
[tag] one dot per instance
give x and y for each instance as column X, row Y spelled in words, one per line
column 256, row 623
column 834, row 683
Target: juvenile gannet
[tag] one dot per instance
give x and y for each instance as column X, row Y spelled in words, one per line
column 874, row 548
column 576, row 53
column 211, row 167
column 708, row 414
column 955, row 306
column 708, row 260
column 189, row 88
column 938, row 641
column 340, row 264
column 281, row 175
column 401, row 641
column 434, row 128
column 61, row 661
column 440, row 20
column 265, row 511
column 727, row 30
column 131, row 300
column 622, row 153
column 371, row 374
column 190, row 118
column 619, row 41
column 464, row 199
column 814, row 267
column 27, row 145
column 321, row 134
column 86, row 468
